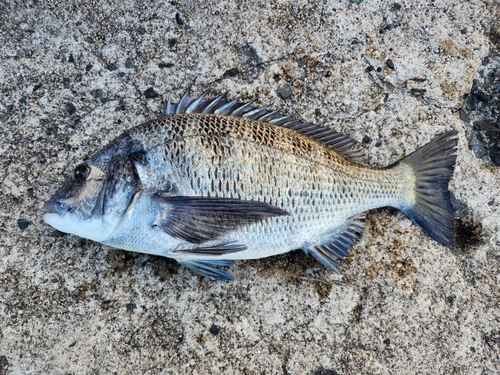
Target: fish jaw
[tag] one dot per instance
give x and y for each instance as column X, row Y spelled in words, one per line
column 92, row 229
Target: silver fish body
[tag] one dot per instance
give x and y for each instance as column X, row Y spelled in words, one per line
column 216, row 180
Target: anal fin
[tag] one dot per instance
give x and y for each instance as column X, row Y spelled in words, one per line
column 333, row 253
column 204, row 267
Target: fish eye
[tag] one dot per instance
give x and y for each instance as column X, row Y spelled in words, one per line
column 81, row 173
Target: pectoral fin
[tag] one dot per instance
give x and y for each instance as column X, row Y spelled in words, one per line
column 201, row 219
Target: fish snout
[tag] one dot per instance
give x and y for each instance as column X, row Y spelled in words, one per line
column 55, row 207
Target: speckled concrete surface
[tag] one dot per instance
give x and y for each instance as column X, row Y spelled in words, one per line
column 73, row 75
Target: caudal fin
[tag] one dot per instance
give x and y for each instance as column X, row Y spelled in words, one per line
column 433, row 167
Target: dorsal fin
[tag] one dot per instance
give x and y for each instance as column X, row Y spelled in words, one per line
column 341, row 143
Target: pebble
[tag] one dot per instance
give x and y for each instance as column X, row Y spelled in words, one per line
column 285, row 91
column 70, row 107
column 214, row 330
column 23, row 224
column 150, row 93
column 129, row 64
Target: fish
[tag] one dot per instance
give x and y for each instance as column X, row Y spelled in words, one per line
column 216, row 180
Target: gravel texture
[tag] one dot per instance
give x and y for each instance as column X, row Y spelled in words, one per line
column 74, row 75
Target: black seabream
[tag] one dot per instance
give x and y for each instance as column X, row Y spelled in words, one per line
column 216, row 180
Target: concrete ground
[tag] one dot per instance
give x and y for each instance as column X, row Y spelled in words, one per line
column 74, row 75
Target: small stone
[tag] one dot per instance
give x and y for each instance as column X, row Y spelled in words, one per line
column 366, row 139
column 214, row 330
column 88, row 67
column 172, row 42
column 369, row 69
column 36, row 87
column 387, row 341
column 389, row 63
column 66, row 82
column 491, row 203
column 165, row 65
column 378, row 143
column 129, row 64
column 178, row 19
column 150, row 93
column 112, row 67
column 131, row 307
column 98, row 95
column 23, row 224
column 71, row 59
column 477, row 146
column 70, row 107
column 285, row 91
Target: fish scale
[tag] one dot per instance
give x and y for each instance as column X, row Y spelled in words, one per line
column 216, row 180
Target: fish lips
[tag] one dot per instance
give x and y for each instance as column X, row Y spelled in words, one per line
column 55, row 207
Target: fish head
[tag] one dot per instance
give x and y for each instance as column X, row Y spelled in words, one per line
column 96, row 194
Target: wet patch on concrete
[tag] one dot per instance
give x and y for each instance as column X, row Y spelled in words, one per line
column 481, row 110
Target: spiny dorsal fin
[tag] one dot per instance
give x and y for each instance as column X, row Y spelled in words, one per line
column 221, row 106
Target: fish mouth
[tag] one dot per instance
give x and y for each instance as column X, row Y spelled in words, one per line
column 54, row 207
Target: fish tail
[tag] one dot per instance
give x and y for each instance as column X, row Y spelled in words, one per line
column 432, row 167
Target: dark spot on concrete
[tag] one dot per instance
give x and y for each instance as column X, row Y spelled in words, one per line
column 396, row 6
column 178, row 19
column 23, row 224
column 141, row 30
column 165, row 65
column 378, row 143
column 150, row 93
column 387, row 341
column 4, row 365
column 248, row 55
column 492, row 339
column 357, row 312
column 214, row 330
column 130, row 307
column 369, row 69
column 323, row 289
column 390, row 64
column 70, row 107
column 36, row 87
column 66, row 82
column 450, row 300
column 105, row 304
column 71, row 59
column 201, row 339
column 164, row 268
column 403, row 267
column 480, row 110
column 467, row 233
column 88, row 67
column 172, row 42
column 120, row 261
column 112, row 67
column 323, row 371
column 231, row 72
